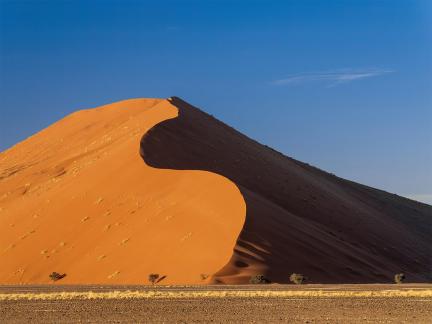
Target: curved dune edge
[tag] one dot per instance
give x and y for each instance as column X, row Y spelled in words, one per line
column 76, row 198
column 299, row 219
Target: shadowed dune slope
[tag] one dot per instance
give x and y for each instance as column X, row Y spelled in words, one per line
column 77, row 198
column 299, row 218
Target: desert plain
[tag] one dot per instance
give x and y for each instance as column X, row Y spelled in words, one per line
column 410, row 303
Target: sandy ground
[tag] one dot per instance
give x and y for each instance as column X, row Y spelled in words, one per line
column 221, row 310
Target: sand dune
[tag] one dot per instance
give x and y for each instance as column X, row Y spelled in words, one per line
column 299, row 218
column 112, row 194
column 77, row 198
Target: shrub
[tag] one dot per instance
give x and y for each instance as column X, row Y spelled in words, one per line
column 54, row 276
column 259, row 279
column 297, row 278
column 204, row 276
column 153, row 277
column 399, row 278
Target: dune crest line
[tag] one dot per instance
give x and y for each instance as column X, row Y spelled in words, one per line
column 299, row 219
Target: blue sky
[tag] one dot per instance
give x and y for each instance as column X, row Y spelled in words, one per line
column 343, row 85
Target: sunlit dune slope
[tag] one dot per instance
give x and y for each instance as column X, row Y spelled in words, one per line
column 77, row 198
column 299, row 218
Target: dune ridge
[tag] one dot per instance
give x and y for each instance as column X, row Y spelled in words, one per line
column 299, row 218
column 77, row 198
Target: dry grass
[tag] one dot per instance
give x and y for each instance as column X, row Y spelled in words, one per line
column 424, row 293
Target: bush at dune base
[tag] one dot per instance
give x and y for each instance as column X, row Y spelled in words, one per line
column 399, row 278
column 297, row 278
column 54, row 276
column 259, row 279
column 153, row 277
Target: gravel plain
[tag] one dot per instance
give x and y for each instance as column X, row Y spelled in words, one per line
column 218, row 309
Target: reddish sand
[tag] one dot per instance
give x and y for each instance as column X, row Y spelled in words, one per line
column 77, row 198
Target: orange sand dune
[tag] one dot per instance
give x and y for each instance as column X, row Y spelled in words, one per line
column 299, row 218
column 77, row 198
column 202, row 199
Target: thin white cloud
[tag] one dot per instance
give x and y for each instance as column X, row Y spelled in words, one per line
column 331, row 78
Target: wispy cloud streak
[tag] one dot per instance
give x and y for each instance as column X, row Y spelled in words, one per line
column 332, row 78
